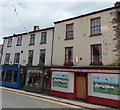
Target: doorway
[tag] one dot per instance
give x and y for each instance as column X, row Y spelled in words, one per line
column 81, row 87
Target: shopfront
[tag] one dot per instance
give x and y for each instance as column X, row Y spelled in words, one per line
column 37, row 79
column 10, row 75
column 100, row 85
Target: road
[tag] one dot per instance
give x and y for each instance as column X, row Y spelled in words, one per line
column 17, row 100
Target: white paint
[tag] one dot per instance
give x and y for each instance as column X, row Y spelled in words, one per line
column 25, row 48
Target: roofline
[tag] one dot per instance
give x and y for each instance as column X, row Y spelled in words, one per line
column 29, row 32
column 84, row 15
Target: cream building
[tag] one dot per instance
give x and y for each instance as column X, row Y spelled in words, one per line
column 88, row 39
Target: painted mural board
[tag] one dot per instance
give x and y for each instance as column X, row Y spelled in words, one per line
column 60, row 80
column 106, row 85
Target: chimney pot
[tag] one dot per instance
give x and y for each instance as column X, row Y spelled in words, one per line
column 36, row 28
column 117, row 4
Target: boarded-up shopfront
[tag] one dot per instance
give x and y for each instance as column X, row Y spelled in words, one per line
column 99, row 85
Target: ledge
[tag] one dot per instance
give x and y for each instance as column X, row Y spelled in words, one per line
column 92, row 35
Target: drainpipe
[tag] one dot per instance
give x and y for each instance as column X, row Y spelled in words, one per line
column 52, row 49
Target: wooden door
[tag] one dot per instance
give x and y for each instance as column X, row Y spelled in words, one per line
column 81, row 87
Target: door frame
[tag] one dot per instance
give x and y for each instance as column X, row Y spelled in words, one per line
column 75, row 84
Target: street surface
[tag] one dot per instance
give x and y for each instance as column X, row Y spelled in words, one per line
column 17, row 100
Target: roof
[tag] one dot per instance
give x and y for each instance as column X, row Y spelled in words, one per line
column 88, row 14
column 15, row 35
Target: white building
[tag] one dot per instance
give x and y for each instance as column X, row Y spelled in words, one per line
column 33, row 48
column 0, row 52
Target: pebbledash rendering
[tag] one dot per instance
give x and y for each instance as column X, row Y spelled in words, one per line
column 78, row 58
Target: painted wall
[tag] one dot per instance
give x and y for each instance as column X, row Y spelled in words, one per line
column 81, row 42
column 104, row 85
column 25, row 47
column 70, row 84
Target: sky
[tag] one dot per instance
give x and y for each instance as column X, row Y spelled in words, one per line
column 42, row 13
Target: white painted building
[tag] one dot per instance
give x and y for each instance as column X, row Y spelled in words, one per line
column 33, row 48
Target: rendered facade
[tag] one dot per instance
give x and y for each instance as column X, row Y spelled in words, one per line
column 79, row 58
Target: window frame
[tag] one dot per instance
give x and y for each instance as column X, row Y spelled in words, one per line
column 100, row 55
column 67, row 31
column 19, row 41
column 71, row 62
column 32, row 39
column 93, row 27
column 40, row 57
column 9, row 43
column 43, row 36
column 7, row 58
column 17, row 59
column 29, row 56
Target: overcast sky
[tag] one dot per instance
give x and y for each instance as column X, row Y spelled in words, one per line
column 42, row 13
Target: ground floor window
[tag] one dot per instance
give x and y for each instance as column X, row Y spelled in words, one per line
column 9, row 76
column 34, row 79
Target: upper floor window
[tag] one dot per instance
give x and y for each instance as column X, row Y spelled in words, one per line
column 32, row 39
column 96, row 26
column 69, row 55
column 19, row 40
column 7, row 58
column 30, row 56
column 69, row 31
column 16, row 58
column 43, row 37
column 96, row 54
column 42, row 56
column 9, row 44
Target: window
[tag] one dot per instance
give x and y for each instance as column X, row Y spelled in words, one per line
column 8, row 76
column 69, row 31
column 96, row 56
column 32, row 39
column 30, row 56
column 9, row 44
column 7, row 58
column 16, row 58
column 19, row 40
column 43, row 37
column 42, row 56
column 69, row 55
column 95, row 26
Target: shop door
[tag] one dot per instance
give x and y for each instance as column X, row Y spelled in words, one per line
column 81, row 87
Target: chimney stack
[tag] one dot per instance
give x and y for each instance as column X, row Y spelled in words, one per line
column 36, row 28
column 117, row 4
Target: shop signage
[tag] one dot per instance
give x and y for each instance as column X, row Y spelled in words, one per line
column 86, row 70
column 60, row 81
column 106, row 85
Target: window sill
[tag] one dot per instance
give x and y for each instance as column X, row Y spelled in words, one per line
column 69, row 39
column 18, row 45
column 92, row 35
column 96, row 63
column 8, row 46
column 68, row 64
column 43, row 43
column 30, row 44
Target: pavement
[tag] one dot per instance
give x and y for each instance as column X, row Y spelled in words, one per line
column 77, row 103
